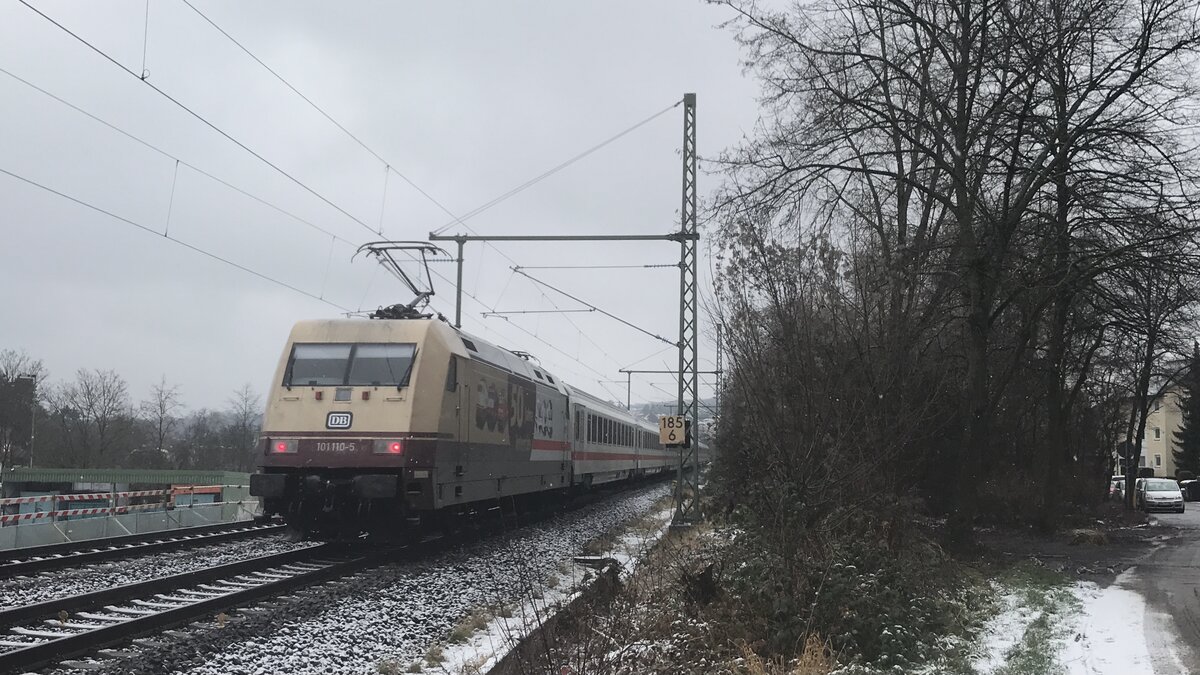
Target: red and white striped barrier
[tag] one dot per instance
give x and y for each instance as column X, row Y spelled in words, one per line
column 81, row 497
column 95, row 496
column 17, row 517
column 164, row 502
column 110, row 510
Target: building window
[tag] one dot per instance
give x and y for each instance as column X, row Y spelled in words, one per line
column 1157, row 432
column 1158, row 460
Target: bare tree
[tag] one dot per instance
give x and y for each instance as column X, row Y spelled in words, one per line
column 1150, row 305
column 16, row 364
column 21, row 381
column 201, row 445
column 161, row 413
column 245, row 410
column 95, row 415
column 992, row 157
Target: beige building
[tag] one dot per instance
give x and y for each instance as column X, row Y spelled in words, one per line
column 1164, row 420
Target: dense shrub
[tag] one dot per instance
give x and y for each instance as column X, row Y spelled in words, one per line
column 872, row 587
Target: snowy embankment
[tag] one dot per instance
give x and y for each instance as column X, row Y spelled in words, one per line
column 484, row 649
column 1081, row 629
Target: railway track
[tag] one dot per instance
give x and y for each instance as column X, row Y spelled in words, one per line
column 49, row 632
column 36, row 559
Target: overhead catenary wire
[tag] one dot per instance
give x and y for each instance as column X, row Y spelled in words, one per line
column 198, row 116
column 544, row 175
column 164, row 153
column 596, row 267
column 644, row 358
column 588, row 304
column 318, row 195
column 501, row 312
column 388, row 166
column 486, row 328
column 549, row 345
column 168, row 237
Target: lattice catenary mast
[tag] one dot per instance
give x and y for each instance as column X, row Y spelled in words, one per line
column 687, row 488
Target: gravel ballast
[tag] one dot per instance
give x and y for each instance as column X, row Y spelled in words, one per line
column 392, row 614
column 68, row 581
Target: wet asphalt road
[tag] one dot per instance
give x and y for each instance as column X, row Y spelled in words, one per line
column 1169, row 578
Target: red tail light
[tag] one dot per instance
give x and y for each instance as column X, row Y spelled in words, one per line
column 282, row 447
column 389, row 447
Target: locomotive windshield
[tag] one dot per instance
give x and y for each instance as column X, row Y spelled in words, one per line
column 349, row 364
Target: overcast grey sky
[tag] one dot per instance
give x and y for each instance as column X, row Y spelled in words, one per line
column 468, row 100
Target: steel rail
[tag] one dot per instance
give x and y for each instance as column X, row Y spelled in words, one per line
column 16, row 615
column 52, row 556
column 156, row 610
column 84, row 544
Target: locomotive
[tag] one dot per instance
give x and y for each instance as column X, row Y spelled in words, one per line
column 394, row 424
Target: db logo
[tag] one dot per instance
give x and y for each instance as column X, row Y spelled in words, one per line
column 338, row 420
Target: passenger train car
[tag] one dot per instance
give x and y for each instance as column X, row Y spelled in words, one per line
column 376, row 424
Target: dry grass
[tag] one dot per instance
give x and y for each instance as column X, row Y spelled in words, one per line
column 646, row 525
column 473, row 666
column 435, row 655
column 645, row 625
column 816, row 659
column 477, row 620
column 389, row 666
column 1088, row 536
column 601, row 544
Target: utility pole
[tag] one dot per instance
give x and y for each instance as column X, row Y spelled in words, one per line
column 458, row 285
column 687, row 487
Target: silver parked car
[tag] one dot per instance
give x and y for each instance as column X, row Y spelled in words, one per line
column 1159, row 494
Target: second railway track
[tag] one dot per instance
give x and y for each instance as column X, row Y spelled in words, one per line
column 48, row 632
column 20, row 562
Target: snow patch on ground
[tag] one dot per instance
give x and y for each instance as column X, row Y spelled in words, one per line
column 1116, row 633
column 1003, row 631
column 1106, row 631
column 486, row 647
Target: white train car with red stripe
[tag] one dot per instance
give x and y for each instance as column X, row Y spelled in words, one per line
column 375, row 423
column 610, row 444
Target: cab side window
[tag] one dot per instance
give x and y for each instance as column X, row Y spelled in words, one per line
column 452, row 375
